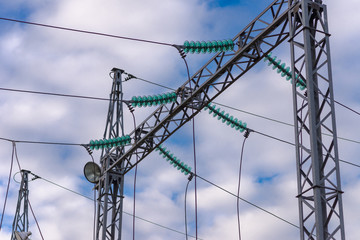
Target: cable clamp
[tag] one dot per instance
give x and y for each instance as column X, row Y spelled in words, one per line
column 191, row 176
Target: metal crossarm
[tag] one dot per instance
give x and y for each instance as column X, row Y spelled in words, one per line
column 262, row 35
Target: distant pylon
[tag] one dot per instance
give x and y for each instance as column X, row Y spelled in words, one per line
column 20, row 226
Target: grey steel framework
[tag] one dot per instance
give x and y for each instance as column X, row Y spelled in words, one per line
column 21, row 220
column 319, row 188
column 111, row 184
column 317, row 160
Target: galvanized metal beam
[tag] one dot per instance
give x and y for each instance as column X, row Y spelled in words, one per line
column 261, row 36
column 317, row 160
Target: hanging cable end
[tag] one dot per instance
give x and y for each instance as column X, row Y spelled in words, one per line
column 87, row 147
column 191, row 176
column 180, row 48
column 131, row 108
column 247, row 132
column 35, row 177
column 129, row 76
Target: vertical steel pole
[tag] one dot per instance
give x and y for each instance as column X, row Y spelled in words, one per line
column 319, row 187
column 111, row 184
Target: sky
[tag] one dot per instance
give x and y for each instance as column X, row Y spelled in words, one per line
column 48, row 60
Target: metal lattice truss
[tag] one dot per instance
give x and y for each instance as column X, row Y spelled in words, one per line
column 304, row 23
column 111, row 184
column 262, row 35
column 319, row 188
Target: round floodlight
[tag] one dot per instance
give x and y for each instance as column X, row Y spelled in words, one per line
column 92, row 172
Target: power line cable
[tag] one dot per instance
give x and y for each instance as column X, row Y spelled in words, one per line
column 85, row 31
column 60, row 186
column 131, row 109
column 211, row 183
column 163, row 86
column 221, row 188
column 246, row 135
column 54, row 94
column 94, row 215
column 8, row 185
column 79, row 144
column 36, row 221
column 185, row 215
column 358, row 113
column 154, row 83
column 254, row 114
column 89, row 198
column 248, row 202
column 41, row 142
column 183, row 55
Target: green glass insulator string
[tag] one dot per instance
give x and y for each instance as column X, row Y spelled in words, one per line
column 209, row 46
column 109, row 143
column 181, row 166
column 284, row 71
column 148, row 101
column 226, row 118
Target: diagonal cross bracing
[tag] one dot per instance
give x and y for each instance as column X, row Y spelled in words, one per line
column 262, row 35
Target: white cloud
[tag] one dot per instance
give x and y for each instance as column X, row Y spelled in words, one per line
column 43, row 59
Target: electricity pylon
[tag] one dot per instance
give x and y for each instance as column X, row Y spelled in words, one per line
column 111, row 184
column 21, row 220
column 317, row 158
column 317, row 162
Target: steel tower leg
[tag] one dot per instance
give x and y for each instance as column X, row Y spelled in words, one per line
column 110, row 186
column 319, row 187
column 21, row 221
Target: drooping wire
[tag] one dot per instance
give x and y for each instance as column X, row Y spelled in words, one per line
column 248, row 202
column 260, row 116
column 227, row 106
column 94, row 220
column 8, row 184
column 54, row 94
column 84, row 31
column 186, row 189
column 183, row 56
column 84, row 196
column 41, row 142
column 36, row 221
column 131, row 109
column 246, row 135
column 351, row 109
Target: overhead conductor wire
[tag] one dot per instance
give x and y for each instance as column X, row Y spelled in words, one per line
column 131, row 109
column 84, row 31
column 8, row 184
column 246, row 135
column 89, row 198
column 160, row 85
column 92, row 158
column 185, row 215
column 183, row 55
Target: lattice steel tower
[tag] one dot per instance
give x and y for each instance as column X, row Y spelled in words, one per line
column 21, row 220
column 319, row 188
column 304, row 24
column 111, row 184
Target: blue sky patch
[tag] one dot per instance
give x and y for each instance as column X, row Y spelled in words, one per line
column 267, row 179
